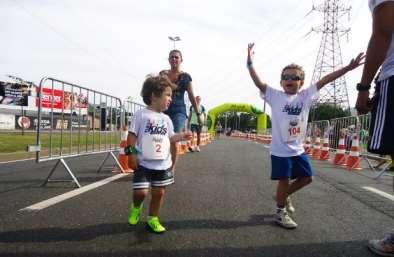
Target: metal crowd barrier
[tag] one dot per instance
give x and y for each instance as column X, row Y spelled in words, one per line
column 75, row 121
column 347, row 127
column 318, row 129
column 130, row 108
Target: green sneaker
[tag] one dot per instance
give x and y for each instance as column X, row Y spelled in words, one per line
column 153, row 225
column 134, row 215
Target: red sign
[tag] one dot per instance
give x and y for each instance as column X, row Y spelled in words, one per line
column 61, row 99
column 47, row 97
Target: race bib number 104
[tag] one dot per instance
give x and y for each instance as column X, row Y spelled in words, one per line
column 291, row 130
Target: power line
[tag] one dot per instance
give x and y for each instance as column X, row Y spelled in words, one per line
column 75, row 44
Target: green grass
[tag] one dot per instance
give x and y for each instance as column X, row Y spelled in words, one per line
column 16, row 142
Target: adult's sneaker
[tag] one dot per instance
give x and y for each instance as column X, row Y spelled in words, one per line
column 153, row 225
column 198, row 149
column 283, row 219
column 383, row 247
column 289, row 205
column 134, row 215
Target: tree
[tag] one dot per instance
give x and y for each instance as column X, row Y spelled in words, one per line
column 326, row 111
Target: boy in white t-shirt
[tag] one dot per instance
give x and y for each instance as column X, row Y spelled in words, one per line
column 290, row 109
column 150, row 135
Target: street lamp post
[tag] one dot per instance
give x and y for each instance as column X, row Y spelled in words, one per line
column 174, row 39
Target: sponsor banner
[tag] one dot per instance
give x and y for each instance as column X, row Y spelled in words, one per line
column 30, row 122
column 62, row 100
column 7, row 121
column 24, row 122
column 14, row 93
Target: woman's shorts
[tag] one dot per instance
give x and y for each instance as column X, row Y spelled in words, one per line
column 179, row 121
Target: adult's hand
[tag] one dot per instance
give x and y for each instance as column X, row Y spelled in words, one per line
column 362, row 104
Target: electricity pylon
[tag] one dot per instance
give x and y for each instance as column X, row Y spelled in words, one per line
column 329, row 57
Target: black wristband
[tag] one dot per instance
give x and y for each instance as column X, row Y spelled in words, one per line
column 362, row 87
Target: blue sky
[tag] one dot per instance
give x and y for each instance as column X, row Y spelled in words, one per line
column 110, row 46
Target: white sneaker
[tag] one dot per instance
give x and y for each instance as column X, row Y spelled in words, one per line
column 284, row 220
column 289, row 206
column 197, row 149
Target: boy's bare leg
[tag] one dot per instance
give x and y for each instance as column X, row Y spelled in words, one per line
column 139, row 196
column 281, row 192
column 156, row 201
column 298, row 184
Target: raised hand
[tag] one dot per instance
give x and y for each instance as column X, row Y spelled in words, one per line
column 355, row 62
column 250, row 53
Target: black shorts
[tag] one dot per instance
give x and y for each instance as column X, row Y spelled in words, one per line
column 145, row 178
column 195, row 128
column 381, row 130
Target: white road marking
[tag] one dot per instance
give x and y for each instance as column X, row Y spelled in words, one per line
column 57, row 199
column 19, row 160
column 381, row 193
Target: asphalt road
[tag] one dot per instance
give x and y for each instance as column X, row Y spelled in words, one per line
column 220, row 205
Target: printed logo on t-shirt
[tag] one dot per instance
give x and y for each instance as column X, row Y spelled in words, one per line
column 154, row 128
column 293, row 109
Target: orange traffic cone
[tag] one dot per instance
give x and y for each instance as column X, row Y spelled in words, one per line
column 353, row 161
column 316, row 149
column 325, row 150
column 122, row 157
column 339, row 158
column 307, row 145
column 203, row 139
column 180, row 150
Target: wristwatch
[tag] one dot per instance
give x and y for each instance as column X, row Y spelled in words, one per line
column 362, row 87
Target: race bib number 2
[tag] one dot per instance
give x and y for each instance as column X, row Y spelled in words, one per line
column 155, row 147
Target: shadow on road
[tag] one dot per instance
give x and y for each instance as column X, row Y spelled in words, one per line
column 57, row 234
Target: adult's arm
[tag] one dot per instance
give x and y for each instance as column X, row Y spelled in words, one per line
column 379, row 43
column 380, row 40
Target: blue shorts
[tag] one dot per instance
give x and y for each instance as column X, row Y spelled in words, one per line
column 290, row 167
column 178, row 121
